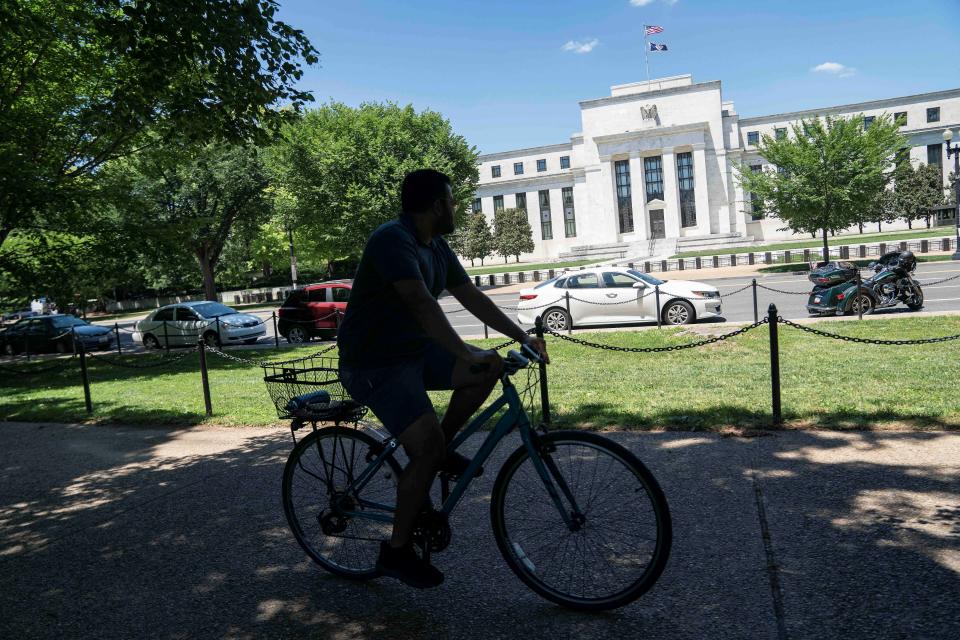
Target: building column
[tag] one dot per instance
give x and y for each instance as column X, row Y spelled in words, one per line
column 700, row 190
column 671, row 194
column 725, row 206
column 641, row 221
column 608, row 200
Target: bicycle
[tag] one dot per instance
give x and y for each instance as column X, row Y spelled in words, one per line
column 578, row 518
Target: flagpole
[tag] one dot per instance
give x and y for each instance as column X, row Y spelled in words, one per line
column 646, row 54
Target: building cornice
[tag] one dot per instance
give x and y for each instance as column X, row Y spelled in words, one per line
column 532, row 179
column 506, row 155
column 650, row 95
column 640, row 134
column 856, row 106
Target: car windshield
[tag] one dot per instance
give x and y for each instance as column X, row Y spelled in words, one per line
column 646, row 278
column 212, row 310
column 546, row 282
column 63, row 322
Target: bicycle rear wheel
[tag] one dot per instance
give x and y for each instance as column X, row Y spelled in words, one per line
column 622, row 542
column 315, row 477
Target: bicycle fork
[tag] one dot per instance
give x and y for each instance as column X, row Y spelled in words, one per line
column 550, row 474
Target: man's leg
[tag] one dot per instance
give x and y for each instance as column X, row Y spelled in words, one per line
column 424, row 443
column 470, row 392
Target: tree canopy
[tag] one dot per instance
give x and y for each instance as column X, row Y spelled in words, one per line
column 917, row 191
column 474, row 241
column 512, row 234
column 340, row 169
column 829, row 174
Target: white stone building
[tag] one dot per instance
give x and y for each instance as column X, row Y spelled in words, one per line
column 652, row 170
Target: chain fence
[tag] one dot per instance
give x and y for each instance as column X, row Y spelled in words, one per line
column 131, row 362
column 836, row 336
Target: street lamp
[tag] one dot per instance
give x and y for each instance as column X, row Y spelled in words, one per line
column 293, row 258
column 955, row 152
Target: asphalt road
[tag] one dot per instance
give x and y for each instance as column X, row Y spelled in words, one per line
column 736, row 308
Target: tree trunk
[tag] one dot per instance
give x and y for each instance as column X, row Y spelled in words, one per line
column 909, row 223
column 207, row 269
column 504, row 259
column 860, row 224
column 518, row 258
column 472, row 263
column 826, row 246
column 880, row 227
column 928, row 222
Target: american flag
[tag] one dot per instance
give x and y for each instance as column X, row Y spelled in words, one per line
column 652, row 29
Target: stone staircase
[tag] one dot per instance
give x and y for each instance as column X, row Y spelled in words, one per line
column 597, row 251
column 719, row 242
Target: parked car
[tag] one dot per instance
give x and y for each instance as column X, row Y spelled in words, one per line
column 610, row 295
column 185, row 323
column 313, row 310
column 53, row 333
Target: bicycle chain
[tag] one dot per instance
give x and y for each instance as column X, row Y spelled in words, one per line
column 827, row 334
column 678, row 347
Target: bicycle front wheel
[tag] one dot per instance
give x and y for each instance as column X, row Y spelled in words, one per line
column 621, row 534
column 318, row 505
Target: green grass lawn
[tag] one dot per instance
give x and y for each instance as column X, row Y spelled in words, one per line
column 521, row 266
column 941, row 232
column 826, row 384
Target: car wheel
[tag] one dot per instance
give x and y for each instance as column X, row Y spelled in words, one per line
column 150, row 342
column 557, row 319
column 211, row 339
column 297, row 335
column 861, row 303
column 678, row 312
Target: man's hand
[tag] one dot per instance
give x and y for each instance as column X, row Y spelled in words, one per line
column 482, row 360
column 538, row 345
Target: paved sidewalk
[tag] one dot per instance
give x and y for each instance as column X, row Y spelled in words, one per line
column 112, row 532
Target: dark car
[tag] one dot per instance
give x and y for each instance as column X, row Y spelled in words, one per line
column 314, row 310
column 53, row 333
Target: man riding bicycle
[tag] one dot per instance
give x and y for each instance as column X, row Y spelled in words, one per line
column 396, row 343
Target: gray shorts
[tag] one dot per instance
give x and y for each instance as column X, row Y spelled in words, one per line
column 397, row 393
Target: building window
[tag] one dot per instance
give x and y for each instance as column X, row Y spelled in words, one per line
column 900, row 117
column 564, row 162
column 518, row 168
column 867, row 121
column 542, row 165
column 780, row 133
column 546, row 225
column 624, row 206
column 688, row 205
column 477, row 205
column 495, row 171
column 935, row 154
column 753, row 138
column 497, row 203
column 653, row 177
column 933, row 114
column 755, row 207
column 569, row 217
column 522, row 200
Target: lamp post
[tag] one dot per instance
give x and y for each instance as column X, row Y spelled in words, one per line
column 955, row 152
column 293, row 258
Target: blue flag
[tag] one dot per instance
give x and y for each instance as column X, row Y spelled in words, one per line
column 657, row 47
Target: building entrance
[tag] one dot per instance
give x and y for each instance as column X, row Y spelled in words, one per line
column 657, row 228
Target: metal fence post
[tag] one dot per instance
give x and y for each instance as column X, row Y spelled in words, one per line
column 656, row 290
column 116, row 329
column 166, row 338
column 544, row 397
column 859, row 306
column 276, row 336
column 203, row 376
column 85, row 378
column 486, row 332
column 569, row 315
column 756, row 311
column 775, row 365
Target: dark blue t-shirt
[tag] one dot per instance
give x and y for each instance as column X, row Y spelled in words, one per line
column 378, row 328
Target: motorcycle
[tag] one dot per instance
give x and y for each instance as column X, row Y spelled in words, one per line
column 835, row 287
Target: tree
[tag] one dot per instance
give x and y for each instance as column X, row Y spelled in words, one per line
column 512, row 234
column 189, row 199
column 830, row 173
column 83, row 82
column 476, row 240
column 917, row 191
column 345, row 167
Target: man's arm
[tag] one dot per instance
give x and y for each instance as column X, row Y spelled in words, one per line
column 428, row 313
column 480, row 305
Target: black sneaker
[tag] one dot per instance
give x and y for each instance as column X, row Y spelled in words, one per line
column 406, row 566
column 456, row 465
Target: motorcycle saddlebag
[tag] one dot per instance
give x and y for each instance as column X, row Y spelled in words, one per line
column 829, row 274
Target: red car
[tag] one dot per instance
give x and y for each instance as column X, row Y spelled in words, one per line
column 313, row 310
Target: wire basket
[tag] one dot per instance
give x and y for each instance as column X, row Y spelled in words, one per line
column 289, row 381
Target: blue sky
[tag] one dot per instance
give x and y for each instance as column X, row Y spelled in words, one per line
column 500, row 71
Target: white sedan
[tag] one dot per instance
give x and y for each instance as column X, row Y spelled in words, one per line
column 184, row 324
column 611, row 295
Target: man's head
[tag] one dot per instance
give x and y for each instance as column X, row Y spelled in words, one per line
column 427, row 192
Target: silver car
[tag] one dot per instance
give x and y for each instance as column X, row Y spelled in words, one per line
column 186, row 323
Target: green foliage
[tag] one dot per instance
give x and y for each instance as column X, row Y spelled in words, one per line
column 84, row 81
column 916, row 191
column 338, row 170
column 475, row 241
column 832, row 173
column 512, row 234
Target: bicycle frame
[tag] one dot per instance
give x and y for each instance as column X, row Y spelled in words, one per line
column 514, row 418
